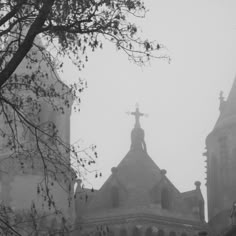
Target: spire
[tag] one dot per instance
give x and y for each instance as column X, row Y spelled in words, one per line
column 231, row 101
column 137, row 134
column 228, row 107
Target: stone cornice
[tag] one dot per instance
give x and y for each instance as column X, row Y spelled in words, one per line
column 144, row 218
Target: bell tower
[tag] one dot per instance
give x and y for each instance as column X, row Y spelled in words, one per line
column 221, row 162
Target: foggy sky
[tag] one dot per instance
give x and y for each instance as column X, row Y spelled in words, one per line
column 181, row 98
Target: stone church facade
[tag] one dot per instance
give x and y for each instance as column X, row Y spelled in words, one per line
column 19, row 187
column 139, row 199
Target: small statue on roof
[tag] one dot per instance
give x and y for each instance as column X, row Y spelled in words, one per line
column 222, row 101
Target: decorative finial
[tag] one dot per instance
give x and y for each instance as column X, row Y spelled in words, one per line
column 114, row 170
column 222, row 100
column 163, row 172
column 197, row 184
column 221, row 96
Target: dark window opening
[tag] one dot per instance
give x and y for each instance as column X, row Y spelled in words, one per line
column 155, row 195
column 165, row 199
column 114, row 197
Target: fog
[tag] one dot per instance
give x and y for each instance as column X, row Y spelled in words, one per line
column 180, row 98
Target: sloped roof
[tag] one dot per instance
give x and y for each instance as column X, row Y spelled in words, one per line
column 140, row 184
column 196, row 193
column 136, row 175
column 189, row 194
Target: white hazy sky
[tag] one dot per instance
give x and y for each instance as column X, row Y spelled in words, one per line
column 181, row 98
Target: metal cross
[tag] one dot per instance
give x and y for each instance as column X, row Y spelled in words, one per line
column 137, row 114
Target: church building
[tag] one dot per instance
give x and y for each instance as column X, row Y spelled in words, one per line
column 22, row 179
column 139, row 199
column 221, row 166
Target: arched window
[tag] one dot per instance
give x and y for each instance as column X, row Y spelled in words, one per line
column 160, row 232
column 165, row 199
column 123, row 232
column 148, row 232
column 172, row 233
column 114, row 196
column 136, row 232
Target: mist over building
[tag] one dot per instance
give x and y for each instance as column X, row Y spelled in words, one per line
column 140, row 196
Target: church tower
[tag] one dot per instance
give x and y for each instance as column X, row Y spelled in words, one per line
column 138, row 199
column 221, row 164
column 23, row 180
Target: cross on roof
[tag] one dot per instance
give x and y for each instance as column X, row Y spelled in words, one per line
column 137, row 114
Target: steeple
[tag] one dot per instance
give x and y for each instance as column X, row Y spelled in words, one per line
column 231, row 101
column 137, row 134
column 227, row 108
column 221, row 162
